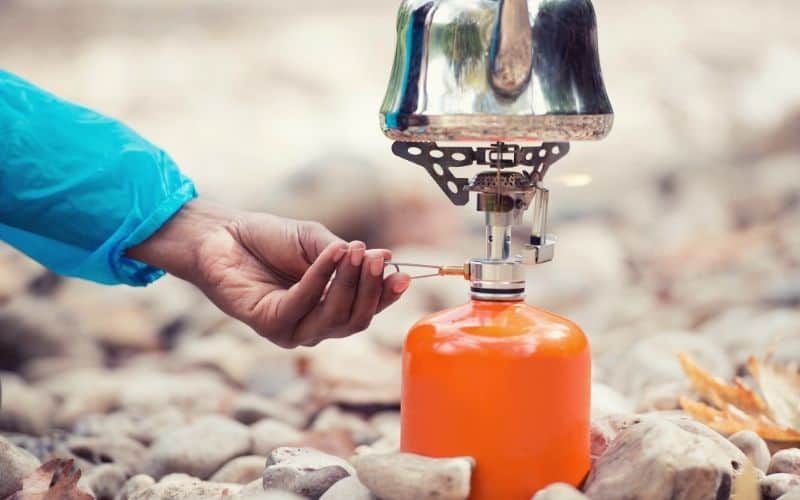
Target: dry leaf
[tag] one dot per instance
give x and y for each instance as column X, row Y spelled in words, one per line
column 734, row 406
column 55, row 480
column 718, row 392
column 781, row 389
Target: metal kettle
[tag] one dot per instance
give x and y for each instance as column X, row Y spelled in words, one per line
column 496, row 70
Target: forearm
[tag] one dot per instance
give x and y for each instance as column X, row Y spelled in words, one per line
column 177, row 246
column 78, row 188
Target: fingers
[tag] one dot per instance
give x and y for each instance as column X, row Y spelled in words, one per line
column 342, row 290
column 353, row 288
column 357, row 292
column 393, row 288
column 370, row 289
column 302, row 297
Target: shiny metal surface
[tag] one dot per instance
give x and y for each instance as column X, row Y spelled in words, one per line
column 464, row 70
column 496, row 280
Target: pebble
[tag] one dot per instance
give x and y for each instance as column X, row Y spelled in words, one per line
column 778, row 484
column 199, row 449
column 754, row 447
column 359, row 430
column 304, row 471
column 336, row 442
column 354, row 371
column 793, row 494
column 184, row 487
column 607, row 401
column 349, row 488
column 25, row 408
column 401, row 476
column 240, row 470
column 656, row 458
column 787, row 461
column 134, row 485
column 269, row 434
column 89, row 451
column 104, row 481
column 15, row 465
column 152, row 425
column 33, row 328
column 653, row 360
column 255, row 491
column 249, row 408
column 387, row 423
column 559, row 491
column 605, row 429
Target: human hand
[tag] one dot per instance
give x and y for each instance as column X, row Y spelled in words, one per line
column 274, row 273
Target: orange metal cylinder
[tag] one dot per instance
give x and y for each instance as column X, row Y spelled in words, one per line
column 506, row 383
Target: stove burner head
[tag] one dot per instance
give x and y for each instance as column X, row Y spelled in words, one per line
column 500, row 182
column 523, row 70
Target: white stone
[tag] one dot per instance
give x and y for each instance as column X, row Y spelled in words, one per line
column 269, row 434
column 199, row 449
column 15, row 465
column 304, row 471
column 400, row 476
column 754, row 447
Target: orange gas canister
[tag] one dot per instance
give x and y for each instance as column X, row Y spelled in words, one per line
column 506, row 383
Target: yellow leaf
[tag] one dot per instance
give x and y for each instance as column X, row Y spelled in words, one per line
column 735, row 407
column 718, row 392
column 781, row 389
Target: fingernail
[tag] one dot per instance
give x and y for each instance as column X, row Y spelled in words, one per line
column 401, row 285
column 376, row 267
column 339, row 253
column 356, row 254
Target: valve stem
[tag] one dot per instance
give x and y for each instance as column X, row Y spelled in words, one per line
column 462, row 270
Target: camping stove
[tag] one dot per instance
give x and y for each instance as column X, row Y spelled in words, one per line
column 506, row 73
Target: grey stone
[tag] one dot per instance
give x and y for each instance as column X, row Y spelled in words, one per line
column 754, row 447
column 241, row 470
column 349, row 488
column 656, row 458
column 199, row 449
column 778, row 484
column 399, row 476
column 304, row 471
column 15, row 465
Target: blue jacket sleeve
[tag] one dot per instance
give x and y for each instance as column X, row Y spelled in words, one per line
column 77, row 188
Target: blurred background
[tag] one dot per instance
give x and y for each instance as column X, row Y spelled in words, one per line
column 687, row 236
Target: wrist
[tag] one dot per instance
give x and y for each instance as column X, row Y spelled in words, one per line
column 176, row 246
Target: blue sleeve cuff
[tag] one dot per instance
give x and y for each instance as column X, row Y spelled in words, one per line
column 77, row 188
column 135, row 273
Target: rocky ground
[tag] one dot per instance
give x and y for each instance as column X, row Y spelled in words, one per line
column 687, row 240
